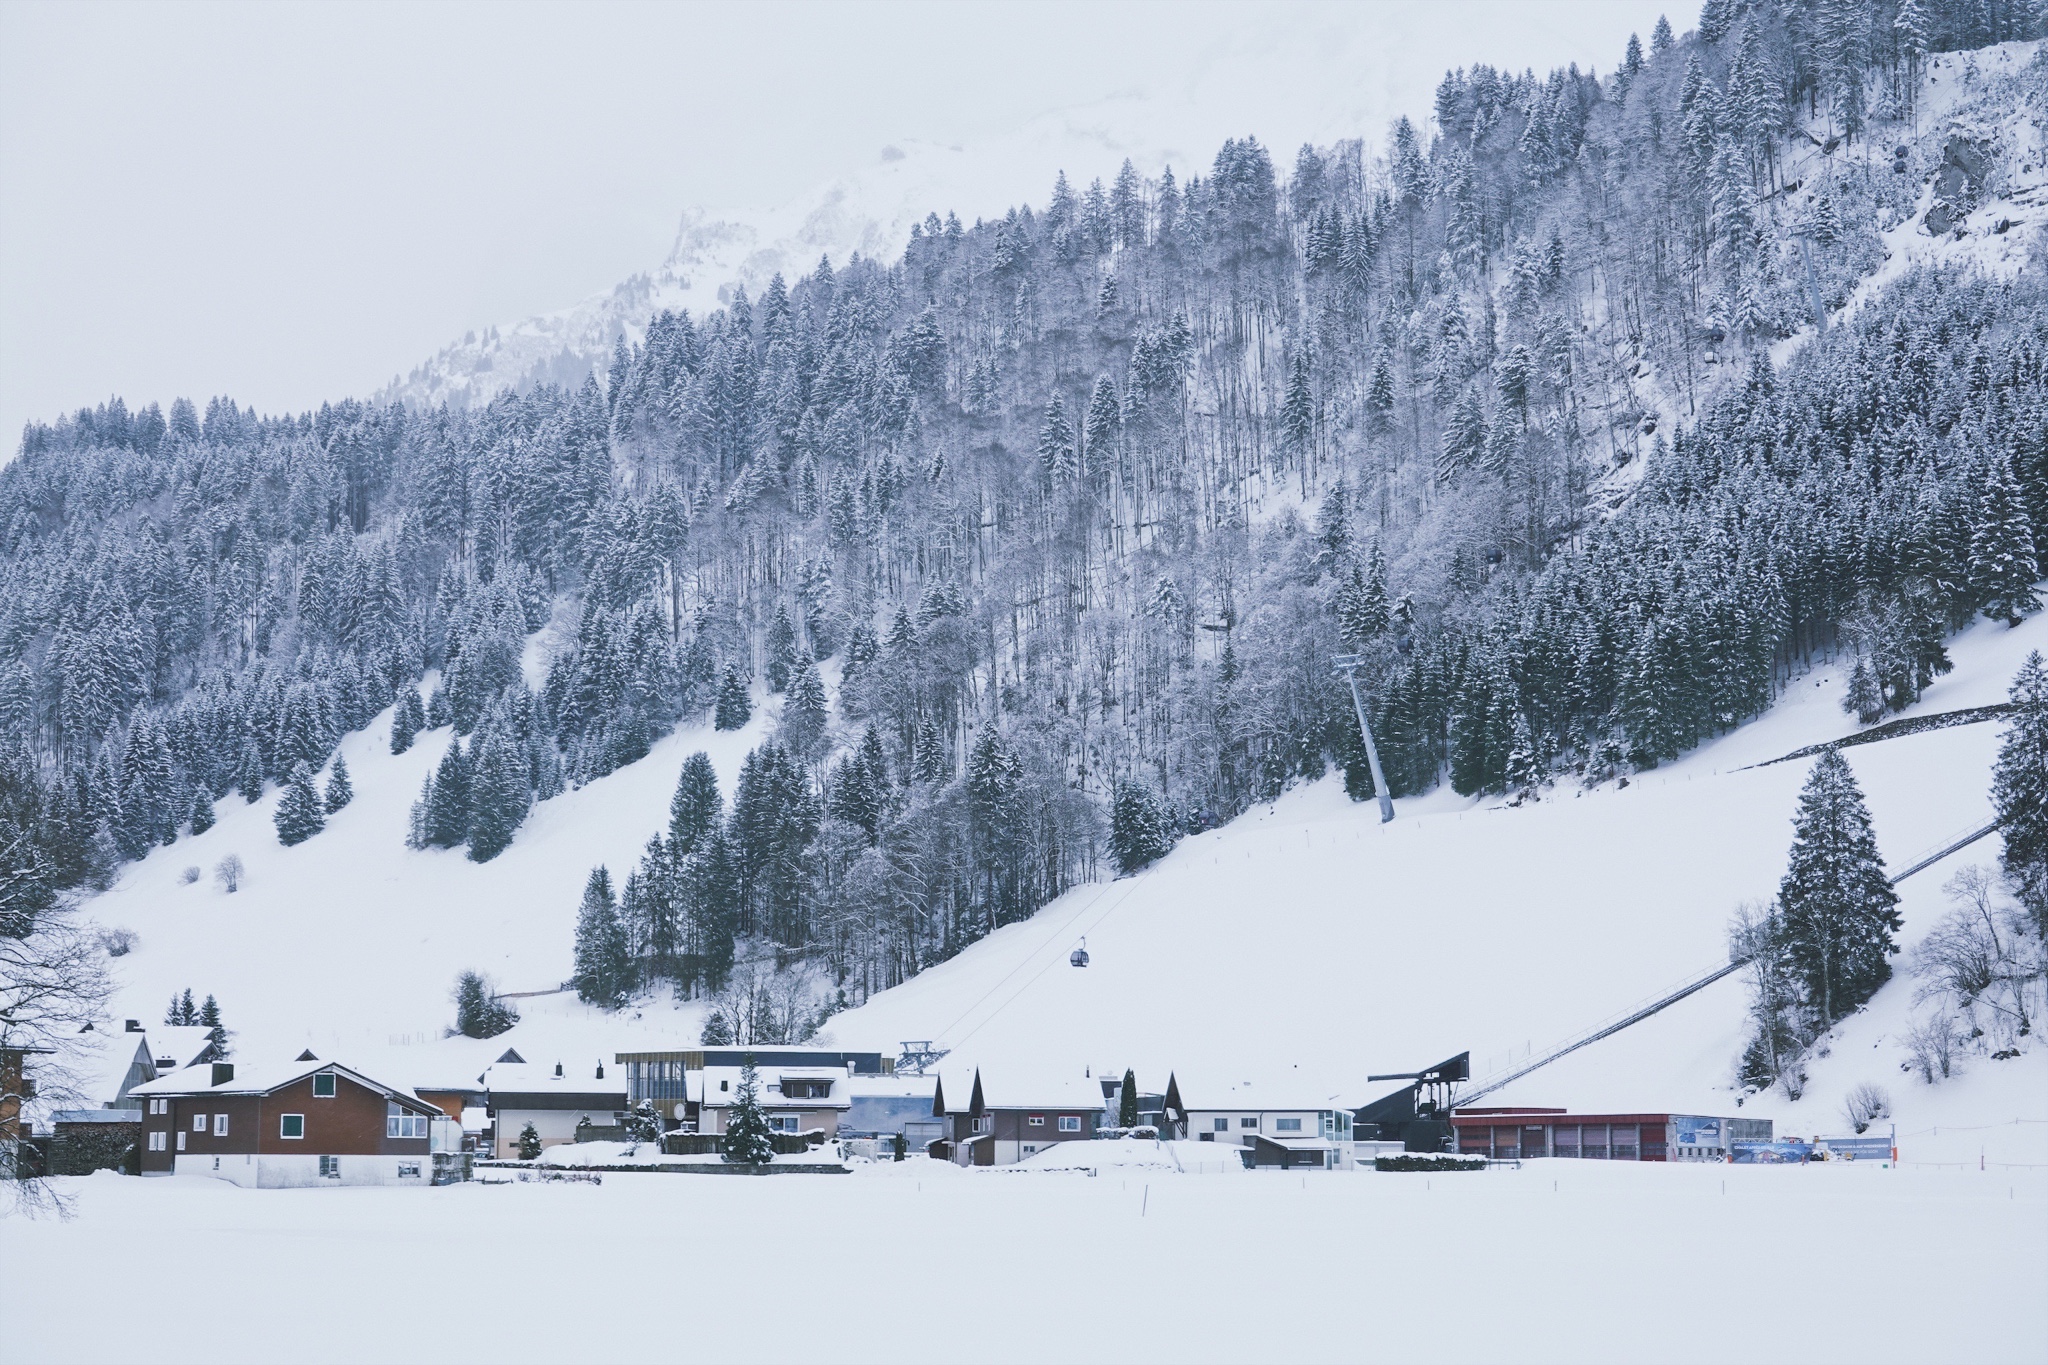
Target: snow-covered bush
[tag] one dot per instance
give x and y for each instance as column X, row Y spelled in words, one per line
column 1865, row 1105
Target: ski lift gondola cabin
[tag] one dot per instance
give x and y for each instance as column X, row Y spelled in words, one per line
column 1079, row 957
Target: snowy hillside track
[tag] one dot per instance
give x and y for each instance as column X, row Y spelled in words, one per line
column 1893, row 729
column 1665, row 1255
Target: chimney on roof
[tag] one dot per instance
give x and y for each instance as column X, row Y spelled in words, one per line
column 600, row 1070
column 558, row 1068
column 134, row 1026
column 223, row 1072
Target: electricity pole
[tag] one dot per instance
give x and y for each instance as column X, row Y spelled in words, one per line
column 1348, row 665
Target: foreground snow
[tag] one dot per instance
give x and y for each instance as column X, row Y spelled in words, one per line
column 1580, row 1261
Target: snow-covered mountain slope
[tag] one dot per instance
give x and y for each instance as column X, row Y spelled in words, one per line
column 1308, row 936
column 1304, row 935
column 351, row 940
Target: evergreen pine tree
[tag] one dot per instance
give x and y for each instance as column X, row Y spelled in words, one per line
column 299, row 816
column 529, row 1143
column 696, row 808
column 1139, row 833
column 217, row 1033
column 2003, row 566
column 499, row 796
column 806, row 712
column 603, row 971
column 202, row 810
column 1840, row 912
column 478, row 1013
column 249, row 775
column 781, row 649
column 447, row 799
column 1127, row 1102
column 747, row 1140
column 734, row 708
column 407, row 719
column 2019, row 791
column 339, row 790
column 1863, row 700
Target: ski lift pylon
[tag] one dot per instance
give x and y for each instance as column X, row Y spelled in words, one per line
column 1079, row 957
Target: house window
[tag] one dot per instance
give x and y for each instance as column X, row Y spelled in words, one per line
column 1035, row 1121
column 983, row 1124
column 330, row 1167
column 784, row 1123
column 1287, row 1125
column 1070, row 1123
column 156, row 1141
column 220, row 1125
column 199, row 1123
column 1029, row 1148
column 408, row 1170
column 402, row 1123
column 1247, row 1123
column 323, row 1085
column 1223, row 1125
column 291, row 1125
column 159, row 1106
column 181, row 1142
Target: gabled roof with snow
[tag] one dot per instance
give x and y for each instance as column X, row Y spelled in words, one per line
column 964, row 1091
column 262, row 1079
column 535, row 1078
column 1285, row 1088
column 181, row 1044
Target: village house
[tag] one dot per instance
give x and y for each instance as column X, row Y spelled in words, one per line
column 998, row 1125
column 306, row 1122
column 557, row 1102
column 803, row 1089
column 887, row 1107
column 1283, row 1120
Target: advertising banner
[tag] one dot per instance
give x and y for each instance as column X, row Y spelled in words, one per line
column 1783, row 1152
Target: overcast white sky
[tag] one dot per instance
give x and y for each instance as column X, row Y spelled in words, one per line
column 288, row 203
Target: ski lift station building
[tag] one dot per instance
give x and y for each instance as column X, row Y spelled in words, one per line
column 1517, row 1134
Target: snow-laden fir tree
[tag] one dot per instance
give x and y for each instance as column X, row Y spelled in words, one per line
column 299, row 814
column 445, row 817
column 202, row 811
column 1140, row 831
column 696, row 808
column 2019, row 791
column 408, row 718
column 603, row 973
column 1840, row 915
column 1127, row 1102
column 1863, row 699
column 747, row 1139
column 182, row 1013
column 806, row 712
column 734, row 708
column 2003, row 565
column 499, row 796
column 217, row 1032
column 781, row 650
column 529, row 1143
column 478, row 1012
column 339, row 790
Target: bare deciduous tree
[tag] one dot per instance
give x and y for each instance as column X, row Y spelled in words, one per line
column 229, row 873
column 53, row 982
column 1865, row 1105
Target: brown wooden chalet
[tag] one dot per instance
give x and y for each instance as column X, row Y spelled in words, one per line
column 307, row 1122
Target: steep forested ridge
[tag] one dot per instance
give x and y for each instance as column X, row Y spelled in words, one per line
column 1073, row 507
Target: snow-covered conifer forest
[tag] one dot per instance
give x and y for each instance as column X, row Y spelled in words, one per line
column 1081, row 500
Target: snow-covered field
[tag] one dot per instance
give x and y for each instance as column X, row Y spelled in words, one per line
column 1557, row 1261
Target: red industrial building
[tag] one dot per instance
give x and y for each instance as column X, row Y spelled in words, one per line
column 1513, row 1134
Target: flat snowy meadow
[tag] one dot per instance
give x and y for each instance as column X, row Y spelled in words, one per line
column 1553, row 1261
